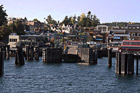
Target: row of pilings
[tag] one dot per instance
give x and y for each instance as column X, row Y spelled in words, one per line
column 4, row 54
column 31, row 53
column 124, row 63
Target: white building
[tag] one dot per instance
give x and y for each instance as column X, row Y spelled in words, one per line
column 13, row 39
column 102, row 28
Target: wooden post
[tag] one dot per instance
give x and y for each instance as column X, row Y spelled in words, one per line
column 130, row 64
column 4, row 51
column 44, row 55
column 137, row 65
column 36, row 53
column 1, row 61
column 27, row 52
column 110, row 58
column 124, row 64
column 119, row 62
column 19, row 58
column 7, row 52
column 31, row 53
column 95, row 56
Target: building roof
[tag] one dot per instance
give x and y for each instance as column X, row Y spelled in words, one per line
column 133, row 25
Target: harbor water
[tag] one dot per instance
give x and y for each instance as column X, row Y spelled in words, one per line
column 36, row 77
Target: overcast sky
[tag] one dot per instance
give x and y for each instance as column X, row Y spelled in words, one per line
column 105, row 10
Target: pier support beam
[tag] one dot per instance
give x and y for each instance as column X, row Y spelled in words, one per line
column 110, row 57
column 19, row 58
column 36, row 55
column 124, row 64
column 118, row 63
column 137, row 65
column 7, row 52
column 95, row 56
column 1, row 61
column 4, row 51
column 26, row 52
column 130, row 64
column 29, row 53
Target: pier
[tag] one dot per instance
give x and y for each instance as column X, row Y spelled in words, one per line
column 1, row 60
column 129, row 50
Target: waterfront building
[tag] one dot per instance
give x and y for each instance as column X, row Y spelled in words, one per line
column 132, row 29
column 103, row 28
column 116, row 37
column 26, row 39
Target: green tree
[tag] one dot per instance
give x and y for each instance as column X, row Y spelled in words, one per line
column 95, row 21
column 3, row 16
column 88, row 21
column 17, row 27
column 66, row 21
column 36, row 20
column 4, row 32
column 50, row 20
column 82, row 20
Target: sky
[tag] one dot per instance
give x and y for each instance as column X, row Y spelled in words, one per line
column 105, row 10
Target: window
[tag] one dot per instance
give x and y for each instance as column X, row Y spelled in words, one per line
column 133, row 27
column 13, row 40
column 133, row 34
column 129, row 27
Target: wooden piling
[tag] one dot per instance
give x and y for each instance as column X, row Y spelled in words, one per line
column 130, row 64
column 95, row 56
column 7, row 52
column 44, row 53
column 29, row 53
column 124, row 64
column 119, row 62
column 26, row 52
column 110, row 57
column 36, row 55
column 4, row 51
column 1, row 61
column 19, row 58
column 137, row 65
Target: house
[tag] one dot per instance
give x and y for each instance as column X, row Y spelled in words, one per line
column 89, row 30
column 35, row 26
column 26, row 39
column 103, row 28
column 132, row 29
column 117, row 36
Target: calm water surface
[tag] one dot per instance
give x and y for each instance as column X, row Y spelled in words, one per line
column 36, row 77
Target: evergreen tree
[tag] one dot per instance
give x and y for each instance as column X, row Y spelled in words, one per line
column 3, row 16
column 50, row 20
column 4, row 32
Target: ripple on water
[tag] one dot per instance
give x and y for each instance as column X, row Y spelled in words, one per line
column 36, row 77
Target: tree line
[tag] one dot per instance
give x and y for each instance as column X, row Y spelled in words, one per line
column 83, row 20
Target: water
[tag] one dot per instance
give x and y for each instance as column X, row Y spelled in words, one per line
column 36, row 77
